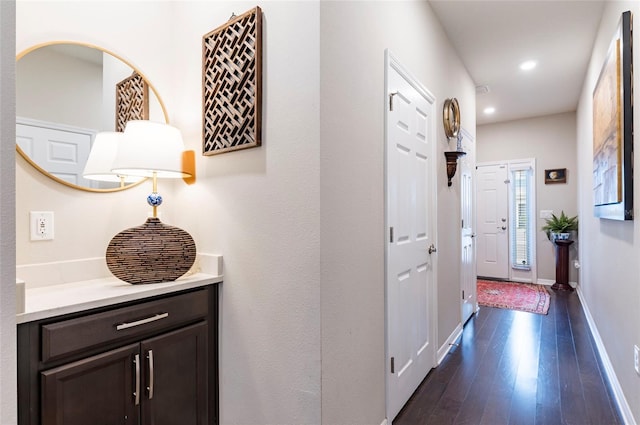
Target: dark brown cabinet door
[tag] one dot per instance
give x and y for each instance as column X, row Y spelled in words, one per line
column 176, row 377
column 98, row 390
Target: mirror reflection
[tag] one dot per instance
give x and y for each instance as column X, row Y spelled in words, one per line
column 66, row 93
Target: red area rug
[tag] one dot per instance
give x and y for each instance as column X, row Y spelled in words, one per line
column 513, row 296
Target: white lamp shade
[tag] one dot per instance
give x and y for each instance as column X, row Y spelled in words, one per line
column 100, row 161
column 150, row 147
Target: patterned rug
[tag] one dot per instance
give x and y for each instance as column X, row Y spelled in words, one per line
column 513, row 296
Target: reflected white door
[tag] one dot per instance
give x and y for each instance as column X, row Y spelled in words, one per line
column 410, row 217
column 493, row 221
column 467, row 203
column 62, row 151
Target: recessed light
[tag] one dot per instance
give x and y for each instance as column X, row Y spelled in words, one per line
column 528, row 65
column 490, row 110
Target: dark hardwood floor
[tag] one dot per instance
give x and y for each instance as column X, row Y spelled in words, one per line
column 511, row 367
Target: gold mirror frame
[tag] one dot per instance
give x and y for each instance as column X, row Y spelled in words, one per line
column 451, row 117
column 92, row 46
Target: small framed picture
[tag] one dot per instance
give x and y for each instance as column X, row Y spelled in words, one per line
column 555, row 175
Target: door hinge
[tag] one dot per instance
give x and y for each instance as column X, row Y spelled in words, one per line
column 463, row 223
column 391, row 234
column 391, row 100
column 507, row 181
column 393, row 366
column 463, row 294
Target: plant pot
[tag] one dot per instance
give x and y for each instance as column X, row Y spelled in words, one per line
column 560, row 236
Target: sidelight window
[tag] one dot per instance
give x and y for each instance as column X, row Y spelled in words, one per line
column 521, row 216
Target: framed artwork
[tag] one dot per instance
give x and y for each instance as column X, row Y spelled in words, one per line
column 555, row 175
column 613, row 129
column 132, row 100
column 232, row 85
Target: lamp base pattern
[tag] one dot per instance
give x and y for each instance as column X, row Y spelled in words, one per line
column 151, row 253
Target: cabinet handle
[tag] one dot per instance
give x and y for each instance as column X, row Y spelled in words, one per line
column 150, row 387
column 136, row 394
column 128, row 325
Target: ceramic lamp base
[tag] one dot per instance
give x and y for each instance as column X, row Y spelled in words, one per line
column 151, row 253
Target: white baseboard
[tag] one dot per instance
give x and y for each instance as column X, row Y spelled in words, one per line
column 623, row 405
column 442, row 351
column 549, row 282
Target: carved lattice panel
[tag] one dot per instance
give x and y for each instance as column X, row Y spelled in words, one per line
column 232, row 85
column 132, row 100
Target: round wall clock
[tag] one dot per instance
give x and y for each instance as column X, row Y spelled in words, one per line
column 451, row 117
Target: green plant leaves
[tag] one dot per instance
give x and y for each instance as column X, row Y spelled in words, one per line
column 561, row 224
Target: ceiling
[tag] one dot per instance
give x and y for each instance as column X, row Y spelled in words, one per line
column 493, row 37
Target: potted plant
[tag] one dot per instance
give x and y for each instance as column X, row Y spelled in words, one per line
column 559, row 227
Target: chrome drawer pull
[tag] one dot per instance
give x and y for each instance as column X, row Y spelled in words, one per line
column 150, row 387
column 159, row 316
column 137, row 393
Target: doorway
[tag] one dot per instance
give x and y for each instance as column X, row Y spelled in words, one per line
column 410, row 220
column 506, row 242
column 469, row 303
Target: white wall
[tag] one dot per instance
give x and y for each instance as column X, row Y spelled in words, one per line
column 551, row 140
column 8, row 402
column 354, row 36
column 259, row 207
column 77, row 213
column 609, row 250
column 59, row 88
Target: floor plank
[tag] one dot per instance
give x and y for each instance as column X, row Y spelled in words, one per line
column 512, row 367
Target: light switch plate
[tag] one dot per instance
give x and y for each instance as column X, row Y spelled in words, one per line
column 546, row 213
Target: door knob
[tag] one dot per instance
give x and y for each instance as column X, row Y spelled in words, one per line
column 432, row 249
column 504, row 227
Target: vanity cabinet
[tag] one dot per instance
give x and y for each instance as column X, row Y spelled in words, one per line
column 151, row 362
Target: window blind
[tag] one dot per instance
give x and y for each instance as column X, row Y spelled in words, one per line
column 521, row 210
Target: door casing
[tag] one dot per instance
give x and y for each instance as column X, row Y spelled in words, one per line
column 515, row 274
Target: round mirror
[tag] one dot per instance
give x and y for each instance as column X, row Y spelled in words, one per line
column 67, row 93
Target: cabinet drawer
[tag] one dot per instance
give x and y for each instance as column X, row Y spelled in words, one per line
column 72, row 336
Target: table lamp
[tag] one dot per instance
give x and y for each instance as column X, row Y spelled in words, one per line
column 153, row 252
column 100, row 162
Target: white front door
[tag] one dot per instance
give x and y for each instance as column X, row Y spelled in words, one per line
column 467, row 203
column 410, row 230
column 493, row 221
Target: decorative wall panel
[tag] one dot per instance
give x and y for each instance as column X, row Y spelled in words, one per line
column 132, row 100
column 232, row 85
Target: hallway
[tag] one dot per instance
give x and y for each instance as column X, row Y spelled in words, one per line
column 518, row 368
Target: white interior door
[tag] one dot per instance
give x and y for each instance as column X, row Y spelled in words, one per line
column 467, row 203
column 493, row 221
column 61, row 150
column 410, row 217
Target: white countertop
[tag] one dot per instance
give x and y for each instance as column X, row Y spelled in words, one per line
column 55, row 300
